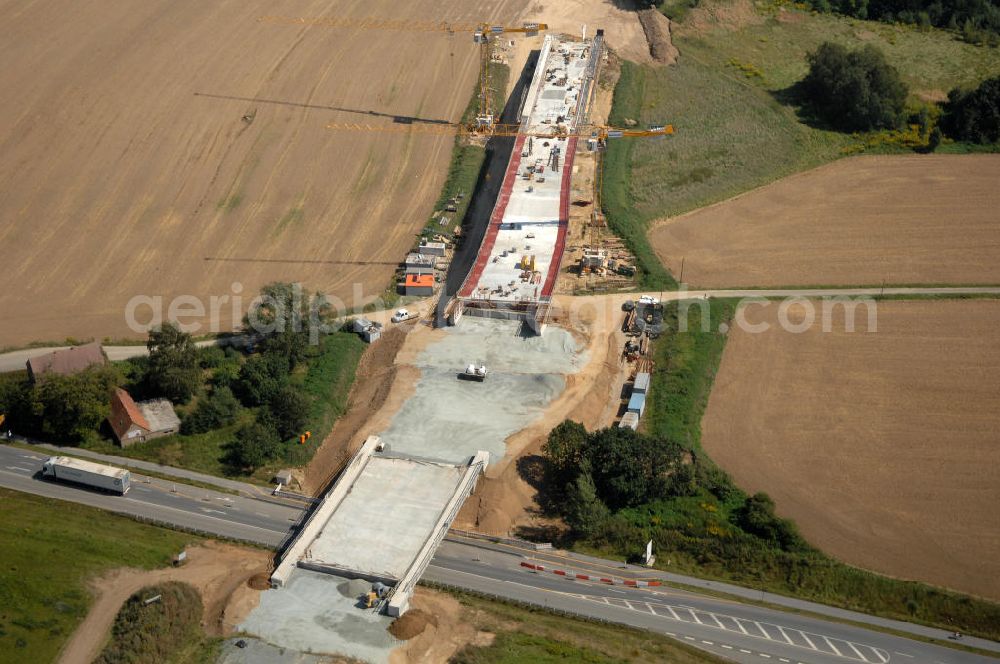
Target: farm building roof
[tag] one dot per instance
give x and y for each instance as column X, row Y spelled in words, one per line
column 67, row 361
column 124, row 413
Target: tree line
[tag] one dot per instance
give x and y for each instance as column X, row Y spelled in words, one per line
column 977, row 21
column 860, row 91
column 254, row 387
column 616, row 487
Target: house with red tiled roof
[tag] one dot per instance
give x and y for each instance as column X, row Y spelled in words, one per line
column 134, row 422
column 66, row 361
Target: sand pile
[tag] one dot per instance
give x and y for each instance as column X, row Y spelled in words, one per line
column 411, row 624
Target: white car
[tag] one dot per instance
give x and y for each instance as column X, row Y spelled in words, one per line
column 648, row 299
column 401, row 315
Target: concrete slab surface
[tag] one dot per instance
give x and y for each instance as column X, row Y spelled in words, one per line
column 451, row 419
column 384, row 521
column 318, row 613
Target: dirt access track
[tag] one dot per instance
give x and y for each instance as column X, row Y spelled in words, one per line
column 171, row 147
column 881, row 446
column 927, row 219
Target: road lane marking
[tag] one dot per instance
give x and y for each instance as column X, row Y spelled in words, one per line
column 745, row 650
column 903, row 654
column 658, row 609
column 782, row 659
column 204, row 516
column 707, row 642
column 727, row 647
column 856, row 650
column 764, row 655
column 23, row 470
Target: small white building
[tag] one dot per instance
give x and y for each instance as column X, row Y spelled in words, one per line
column 629, row 420
column 432, row 249
column 369, row 331
column 641, row 383
column 421, row 261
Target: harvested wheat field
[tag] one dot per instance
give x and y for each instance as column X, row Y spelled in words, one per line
column 169, row 147
column 902, row 219
column 883, row 446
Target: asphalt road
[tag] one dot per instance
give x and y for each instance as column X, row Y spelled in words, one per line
column 736, row 631
column 162, row 501
column 727, row 627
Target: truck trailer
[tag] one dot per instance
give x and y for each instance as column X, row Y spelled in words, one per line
column 87, row 473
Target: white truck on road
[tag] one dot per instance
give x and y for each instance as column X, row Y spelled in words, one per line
column 88, row 473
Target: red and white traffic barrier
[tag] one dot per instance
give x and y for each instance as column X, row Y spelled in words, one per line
column 586, row 577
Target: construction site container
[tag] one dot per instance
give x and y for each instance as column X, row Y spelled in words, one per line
column 432, row 249
column 420, row 285
column 637, row 404
column 87, row 473
column 641, row 384
column 629, row 421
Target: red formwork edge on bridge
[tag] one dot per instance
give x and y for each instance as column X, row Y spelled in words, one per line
column 496, row 218
column 588, row 577
column 560, row 247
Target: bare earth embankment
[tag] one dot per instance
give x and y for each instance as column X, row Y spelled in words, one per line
column 901, row 219
column 881, row 446
column 176, row 147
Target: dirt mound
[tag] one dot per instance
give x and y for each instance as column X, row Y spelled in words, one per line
column 354, row 588
column 656, row 26
column 714, row 15
column 260, row 581
column 219, row 572
column 372, row 385
column 411, row 624
column 445, row 629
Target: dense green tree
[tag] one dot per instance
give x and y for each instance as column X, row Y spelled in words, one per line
column 757, row 517
column 565, row 449
column 289, row 410
column 283, row 317
column 974, row 115
column 629, row 468
column 254, row 445
column 260, row 378
column 854, row 90
column 173, row 363
column 218, row 409
column 70, row 408
column 585, row 512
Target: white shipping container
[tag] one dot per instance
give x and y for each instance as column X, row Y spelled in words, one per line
column 98, row 476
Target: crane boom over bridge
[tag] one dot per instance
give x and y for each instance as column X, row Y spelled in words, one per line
column 483, row 33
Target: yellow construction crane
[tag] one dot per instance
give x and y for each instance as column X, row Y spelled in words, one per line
column 599, row 133
column 484, row 34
